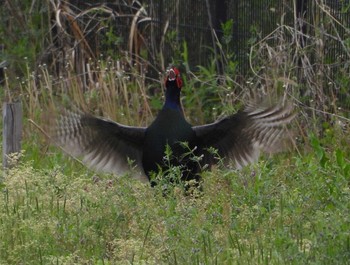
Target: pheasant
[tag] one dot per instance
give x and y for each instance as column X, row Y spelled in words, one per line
column 112, row 147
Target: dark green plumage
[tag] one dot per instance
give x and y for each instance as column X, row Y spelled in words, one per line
column 160, row 133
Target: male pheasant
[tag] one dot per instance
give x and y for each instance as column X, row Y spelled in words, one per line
column 109, row 146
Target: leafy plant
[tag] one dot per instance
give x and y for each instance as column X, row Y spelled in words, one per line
column 289, row 208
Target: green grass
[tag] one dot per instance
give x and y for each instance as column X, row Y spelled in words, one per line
column 292, row 209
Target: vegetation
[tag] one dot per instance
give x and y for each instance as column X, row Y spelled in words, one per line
column 292, row 208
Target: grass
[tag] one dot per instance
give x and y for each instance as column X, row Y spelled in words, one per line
column 287, row 210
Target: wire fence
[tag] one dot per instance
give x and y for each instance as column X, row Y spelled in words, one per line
column 149, row 28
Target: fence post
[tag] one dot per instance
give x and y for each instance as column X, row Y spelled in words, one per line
column 12, row 131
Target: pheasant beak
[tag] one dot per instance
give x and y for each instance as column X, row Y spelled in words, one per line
column 171, row 75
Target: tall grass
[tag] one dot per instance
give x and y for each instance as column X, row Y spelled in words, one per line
column 292, row 210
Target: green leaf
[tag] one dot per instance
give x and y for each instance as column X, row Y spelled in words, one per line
column 319, row 150
column 340, row 158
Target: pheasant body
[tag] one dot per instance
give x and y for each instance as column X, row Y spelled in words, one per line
column 158, row 136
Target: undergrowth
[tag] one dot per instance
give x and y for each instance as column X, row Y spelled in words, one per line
column 289, row 210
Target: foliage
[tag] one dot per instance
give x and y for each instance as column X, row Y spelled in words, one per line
column 23, row 32
column 292, row 210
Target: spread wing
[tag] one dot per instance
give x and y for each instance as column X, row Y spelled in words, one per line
column 104, row 145
column 240, row 137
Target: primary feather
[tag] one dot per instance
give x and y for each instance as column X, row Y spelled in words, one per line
column 239, row 138
column 103, row 144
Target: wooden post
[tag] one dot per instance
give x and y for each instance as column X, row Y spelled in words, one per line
column 12, row 131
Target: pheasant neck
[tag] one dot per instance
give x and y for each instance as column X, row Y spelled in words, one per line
column 172, row 99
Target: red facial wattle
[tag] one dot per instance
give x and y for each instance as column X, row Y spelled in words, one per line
column 174, row 75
